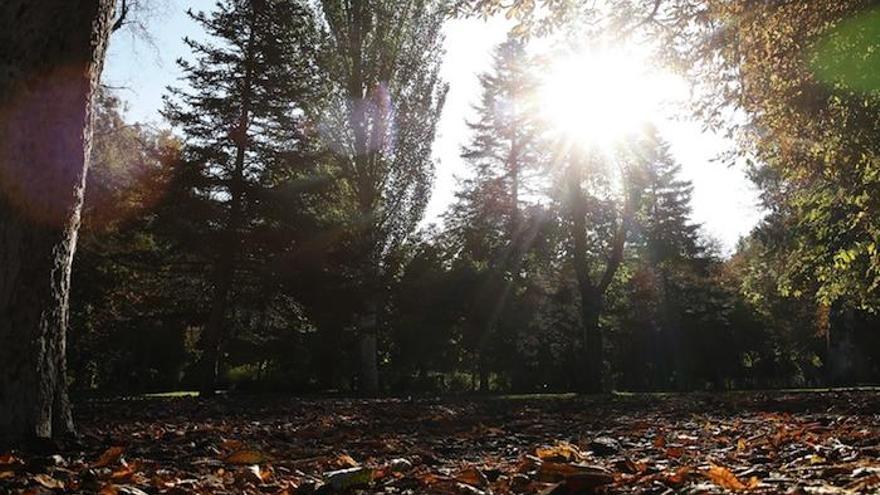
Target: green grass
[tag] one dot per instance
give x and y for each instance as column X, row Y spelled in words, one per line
column 172, row 394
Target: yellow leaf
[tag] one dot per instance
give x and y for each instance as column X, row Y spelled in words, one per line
column 563, row 451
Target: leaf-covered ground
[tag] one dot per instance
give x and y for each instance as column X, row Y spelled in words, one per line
column 759, row 443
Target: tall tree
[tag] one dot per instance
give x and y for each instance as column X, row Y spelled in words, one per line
column 666, row 243
column 242, row 115
column 487, row 220
column 383, row 60
column 598, row 221
column 52, row 54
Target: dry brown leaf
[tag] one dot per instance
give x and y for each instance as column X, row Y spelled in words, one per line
column 472, row 476
column 346, row 461
column 108, row 489
column 679, row 476
column 660, row 441
column 724, row 478
column 557, row 471
column 674, row 452
column 562, row 451
column 109, row 456
column 49, row 482
column 125, row 472
column 246, row 457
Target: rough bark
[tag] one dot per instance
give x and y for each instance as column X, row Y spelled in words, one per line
column 51, row 56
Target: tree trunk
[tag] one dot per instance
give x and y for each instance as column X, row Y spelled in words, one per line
column 591, row 308
column 369, row 373
column 51, row 56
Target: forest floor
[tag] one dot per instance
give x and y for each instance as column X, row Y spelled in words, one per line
column 765, row 442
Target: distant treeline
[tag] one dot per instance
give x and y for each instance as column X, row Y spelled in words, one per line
column 270, row 238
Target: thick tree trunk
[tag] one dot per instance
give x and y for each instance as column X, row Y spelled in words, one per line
column 51, row 55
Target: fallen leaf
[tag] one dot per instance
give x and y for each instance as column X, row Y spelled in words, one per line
column 556, row 471
column 674, row 452
column 125, row 472
column 679, row 476
column 246, row 457
column 346, row 461
column 722, row 477
column 562, row 451
column 472, row 476
column 49, row 482
column 629, row 466
column 344, row 479
column 109, row 456
column 108, row 490
column 660, row 441
column 580, row 484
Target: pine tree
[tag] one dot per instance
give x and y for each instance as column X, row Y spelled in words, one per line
column 664, row 217
column 487, row 220
column 242, row 117
column 383, row 61
column 668, row 249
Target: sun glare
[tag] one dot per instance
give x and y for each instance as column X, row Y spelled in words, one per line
column 596, row 97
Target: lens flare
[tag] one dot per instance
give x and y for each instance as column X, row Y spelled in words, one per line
column 596, row 97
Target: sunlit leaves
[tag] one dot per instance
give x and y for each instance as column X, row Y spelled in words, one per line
column 849, row 54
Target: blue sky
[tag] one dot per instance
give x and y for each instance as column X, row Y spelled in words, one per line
column 724, row 200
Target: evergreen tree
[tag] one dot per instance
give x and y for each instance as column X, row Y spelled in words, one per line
column 242, row 117
column 666, row 243
column 487, row 220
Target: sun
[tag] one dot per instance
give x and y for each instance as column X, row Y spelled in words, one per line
column 597, row 97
